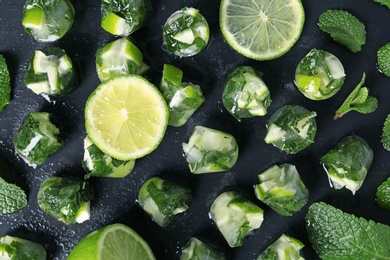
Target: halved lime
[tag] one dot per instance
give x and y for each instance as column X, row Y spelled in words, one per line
column 261, row 29
column 114, row 242
column 126, row 117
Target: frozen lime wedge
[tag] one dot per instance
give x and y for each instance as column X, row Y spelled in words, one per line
column 308, row 83
column 133, row 53
column 114, row 242
column 115, row 24
column 126, row 117
column 261, row 29
column 34, row 18
column 172, row 74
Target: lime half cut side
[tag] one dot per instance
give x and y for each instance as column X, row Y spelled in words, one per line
column 114, row 242
column 126, row 117
column 261, row 29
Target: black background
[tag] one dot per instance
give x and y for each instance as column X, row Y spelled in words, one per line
column 115, row 199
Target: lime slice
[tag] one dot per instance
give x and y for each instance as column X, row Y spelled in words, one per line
column 115, row 24
column 114, row 242
column 34, row 18
column 261, row 29
column 126, row 117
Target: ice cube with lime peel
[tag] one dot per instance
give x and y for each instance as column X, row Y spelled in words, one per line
column 186, row 32
column 122, row 18
column 119, row 57
column 348, row 163
column 183, row 98
column 65, row 199
column 48, row 21
column 37, row 139
column 245, row 94
column 197, row 249
column 285, row 247
column 319, row 75
column 235, row 216
column 209, row 150
column 115, row 239
column 12, row 247
column 282, row 188
column 291, row 128
column 51, row 72
column 98, row 164
column 163, row 200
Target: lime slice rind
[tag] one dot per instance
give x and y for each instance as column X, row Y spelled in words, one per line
column 261, row 29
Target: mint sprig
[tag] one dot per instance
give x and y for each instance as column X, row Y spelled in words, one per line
column 359, row 100
column 335, row 234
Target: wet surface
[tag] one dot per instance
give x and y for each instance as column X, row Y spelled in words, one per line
column 114, row 200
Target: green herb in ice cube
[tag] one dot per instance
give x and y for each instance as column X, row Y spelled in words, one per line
column 163, row 200
column 183, row 98
column 37, row 139
column 210, row 150
column 245, row 93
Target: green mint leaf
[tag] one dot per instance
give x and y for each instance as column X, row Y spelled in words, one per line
column 383, row 58
column 383, row 2
column 367, row 107
column 5, row 86
column 361, row 96
column 12, row 198
column 344, row 28
column 338, row 235
column 383, row 195
column 385, row 139
column 358, row 100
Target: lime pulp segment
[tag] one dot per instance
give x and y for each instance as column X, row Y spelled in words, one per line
column 126, row 117
column 261, row 29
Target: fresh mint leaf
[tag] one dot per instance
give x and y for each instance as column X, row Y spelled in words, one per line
column 5, row 86
column 386, row 133
column 383, row 58
column 383, row 2
column 335, row 234
column 359, row 100
column 12, row 198
column 383, row 195
column 344, row 28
